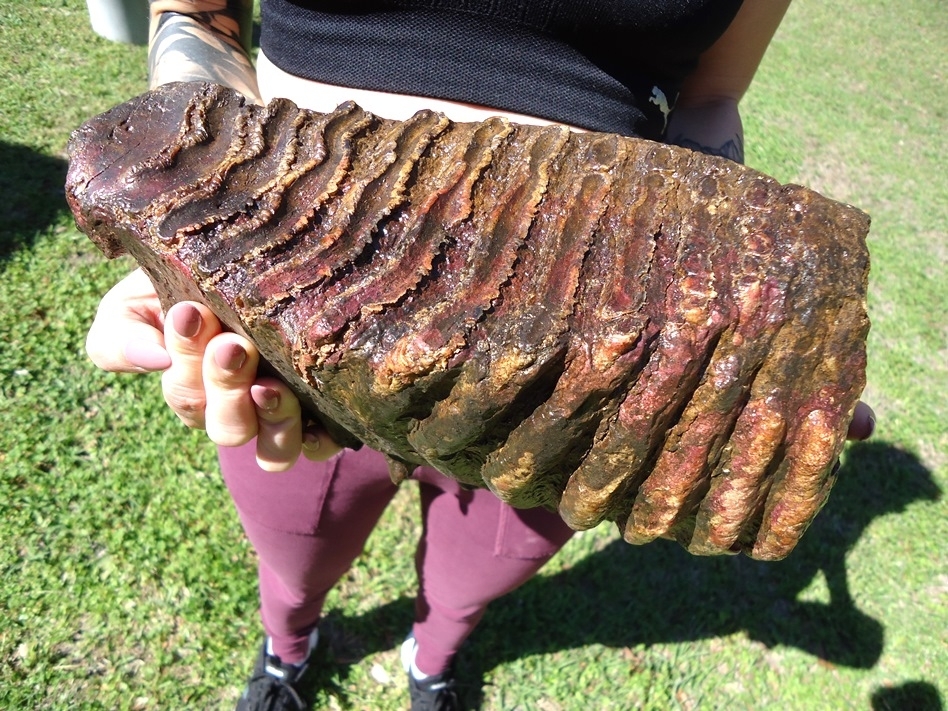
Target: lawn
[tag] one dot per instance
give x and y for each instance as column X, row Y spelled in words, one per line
column 125, row 582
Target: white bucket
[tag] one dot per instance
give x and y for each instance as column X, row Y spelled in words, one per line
column 120, row 20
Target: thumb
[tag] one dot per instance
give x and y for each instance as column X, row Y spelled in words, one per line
column 126, row 334
column 127, row 346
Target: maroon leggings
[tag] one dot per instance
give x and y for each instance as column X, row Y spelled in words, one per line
column 308, row 525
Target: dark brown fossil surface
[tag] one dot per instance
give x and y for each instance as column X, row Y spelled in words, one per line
column 614, row 328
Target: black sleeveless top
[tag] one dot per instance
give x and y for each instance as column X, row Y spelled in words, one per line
column 605, row 65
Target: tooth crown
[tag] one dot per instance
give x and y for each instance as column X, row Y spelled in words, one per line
column 614, row 328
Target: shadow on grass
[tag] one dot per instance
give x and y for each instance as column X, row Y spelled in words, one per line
column 31, row 193
column 914, row 695
column 624, row 596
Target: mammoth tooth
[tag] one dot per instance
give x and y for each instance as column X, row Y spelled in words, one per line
column 605, row 326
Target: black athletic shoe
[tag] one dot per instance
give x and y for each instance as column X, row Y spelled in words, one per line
column 433, row 693
column 275, row 686
column 436, row 693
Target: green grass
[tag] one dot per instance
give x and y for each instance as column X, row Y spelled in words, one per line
column 124, row 579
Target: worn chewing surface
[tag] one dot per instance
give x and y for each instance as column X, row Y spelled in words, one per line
column 606, row 326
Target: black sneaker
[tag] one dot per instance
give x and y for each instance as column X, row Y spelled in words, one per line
column 433, row 693
column 274, row 685
column 436, row 693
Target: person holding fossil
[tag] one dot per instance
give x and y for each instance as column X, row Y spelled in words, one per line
column 672, row 71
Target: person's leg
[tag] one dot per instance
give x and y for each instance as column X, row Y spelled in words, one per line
column 474, row 549
column 307, row 525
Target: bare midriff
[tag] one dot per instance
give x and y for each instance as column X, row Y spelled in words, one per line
column 322, row 97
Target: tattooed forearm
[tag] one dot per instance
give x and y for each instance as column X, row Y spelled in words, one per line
column 202, row 41
column 712, row 127
column 732, row 148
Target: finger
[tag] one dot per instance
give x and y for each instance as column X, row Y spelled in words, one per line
column 279, row 425
column 229, row 369
column 126, row 333
column 142, row 354
column 863, row 423
column 189, row 327
column 124, row 346
column 318, row 446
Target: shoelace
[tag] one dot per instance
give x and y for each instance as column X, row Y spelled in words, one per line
column 271, row 690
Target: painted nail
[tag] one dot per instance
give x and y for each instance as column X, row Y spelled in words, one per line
column 230, row 356
column 187, row 320
column 310, row 441
column 266, row 398
column 147, row 355
column 872, row 425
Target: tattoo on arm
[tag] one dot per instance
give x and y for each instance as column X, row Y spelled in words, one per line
column 200, row 46
column 733, row 148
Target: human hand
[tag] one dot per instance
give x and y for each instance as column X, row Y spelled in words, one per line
column 209, row 376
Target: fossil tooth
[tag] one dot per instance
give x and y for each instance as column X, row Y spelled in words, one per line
column 606, row 326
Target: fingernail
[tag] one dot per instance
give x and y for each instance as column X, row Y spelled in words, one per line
column 147, row 355
column 230, row 356
column 872, row 425
column 186, row 320
column 265, row 398
column 310, row 441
